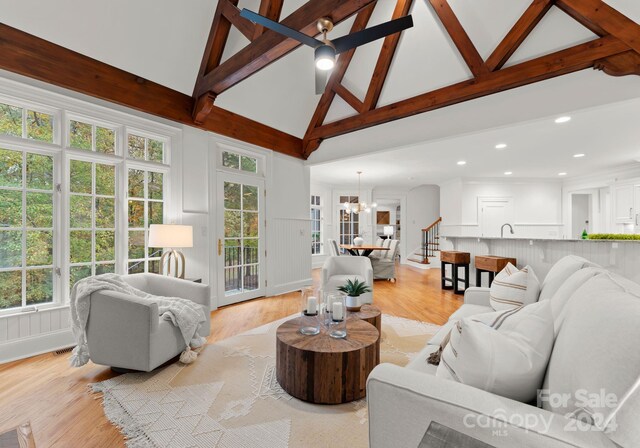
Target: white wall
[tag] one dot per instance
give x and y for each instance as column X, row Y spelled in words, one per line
column 423, row 208
column 537, row 206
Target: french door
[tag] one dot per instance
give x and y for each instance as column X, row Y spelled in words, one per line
column 241, row 235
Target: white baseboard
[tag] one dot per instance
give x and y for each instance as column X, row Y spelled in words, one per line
column 35, row 345
column 289, row 287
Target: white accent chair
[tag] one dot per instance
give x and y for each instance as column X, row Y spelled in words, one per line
column 127, row 333
column 596, row 316
column 384, row 266
column 337, row 270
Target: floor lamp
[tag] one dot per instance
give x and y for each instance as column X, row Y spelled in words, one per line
column 174, row 237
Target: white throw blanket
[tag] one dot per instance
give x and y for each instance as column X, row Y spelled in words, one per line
column 183, row 313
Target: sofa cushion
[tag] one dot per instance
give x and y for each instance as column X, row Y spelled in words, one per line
column 561, row 271
column 561, row 298
column 505, row 353
column 595, row 353
column 513, row 288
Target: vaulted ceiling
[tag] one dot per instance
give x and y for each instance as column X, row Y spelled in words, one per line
column 198, row 63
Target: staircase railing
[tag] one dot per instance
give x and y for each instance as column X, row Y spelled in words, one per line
column 431, row 240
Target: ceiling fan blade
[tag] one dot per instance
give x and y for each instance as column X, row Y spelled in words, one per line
column 321, row 80
column 354, row 40
column 279, row 28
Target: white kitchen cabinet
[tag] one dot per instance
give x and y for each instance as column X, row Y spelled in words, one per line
column 624, row 204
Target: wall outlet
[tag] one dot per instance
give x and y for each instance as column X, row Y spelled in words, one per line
column 614, row 245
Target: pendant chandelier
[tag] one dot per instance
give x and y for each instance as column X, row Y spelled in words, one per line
column 360, row 206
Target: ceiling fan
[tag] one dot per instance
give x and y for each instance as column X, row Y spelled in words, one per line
column 325, row 49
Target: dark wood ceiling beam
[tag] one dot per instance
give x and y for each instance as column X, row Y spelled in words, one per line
column 218, row 35
column 324, row 104
column 271, row 46
column 349, row 98
column 270, row 9
column 622, row 64
column 385, row 58
column 518, row 33
column 559, row 63
column 39, row 59
column 597, row 15
column 459, row 37
column 232, row 14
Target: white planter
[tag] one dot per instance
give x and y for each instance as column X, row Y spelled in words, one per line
column 358, row 241
column 353, row 303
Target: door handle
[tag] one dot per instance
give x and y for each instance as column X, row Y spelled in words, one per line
column 219, row 246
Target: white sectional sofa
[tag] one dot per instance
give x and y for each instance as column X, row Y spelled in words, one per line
column 595, row 355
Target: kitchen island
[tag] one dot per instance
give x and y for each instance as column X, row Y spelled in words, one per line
column 619, row 256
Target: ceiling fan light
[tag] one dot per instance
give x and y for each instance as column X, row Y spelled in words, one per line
column 325, row 57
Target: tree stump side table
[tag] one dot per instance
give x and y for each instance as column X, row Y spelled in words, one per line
column 321, row 369
column 373, row 315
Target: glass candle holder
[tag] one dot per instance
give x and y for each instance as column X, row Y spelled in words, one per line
column 337, row 307
column 309, row 306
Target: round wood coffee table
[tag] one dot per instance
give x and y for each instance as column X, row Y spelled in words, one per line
column 373, row 315
column 324, row 370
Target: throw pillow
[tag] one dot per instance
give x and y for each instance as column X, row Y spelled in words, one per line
column 513, row 288
column 505, row 353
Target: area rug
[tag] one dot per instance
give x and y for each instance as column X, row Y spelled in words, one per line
column 229, row 398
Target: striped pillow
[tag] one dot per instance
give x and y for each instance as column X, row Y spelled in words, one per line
column 513, row 288
column 503, row 352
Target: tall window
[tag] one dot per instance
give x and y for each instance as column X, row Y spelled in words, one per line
column 146, row 207
column 77, row 197
column 92, row 219
column 349, row 222
column 316, row 228
column 26, row 228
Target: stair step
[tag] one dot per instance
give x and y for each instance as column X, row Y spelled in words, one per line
column 419, row 260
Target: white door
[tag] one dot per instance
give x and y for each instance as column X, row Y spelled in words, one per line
column 241, row 236
column 493, row 214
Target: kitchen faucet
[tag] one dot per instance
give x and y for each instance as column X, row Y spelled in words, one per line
column 502, row 229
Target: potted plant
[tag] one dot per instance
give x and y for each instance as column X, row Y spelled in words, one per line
column 354, row 289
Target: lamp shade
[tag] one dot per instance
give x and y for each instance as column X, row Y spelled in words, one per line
column 170, row 235
column 388, row 230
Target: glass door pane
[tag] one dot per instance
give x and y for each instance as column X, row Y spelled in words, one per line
column 241, row 240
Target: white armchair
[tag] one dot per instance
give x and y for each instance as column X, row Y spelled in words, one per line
column 125, row 332
column 337, row 270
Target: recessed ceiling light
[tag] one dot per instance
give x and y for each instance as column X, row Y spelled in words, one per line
column 562, row 119
column 508, row 173
column 462, row 162
column 562, row 174
column 577, row 156
column 501, row 145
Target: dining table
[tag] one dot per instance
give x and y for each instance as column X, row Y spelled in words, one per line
column 363, row 250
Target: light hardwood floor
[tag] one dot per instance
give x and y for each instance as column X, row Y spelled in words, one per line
column 54, row 397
